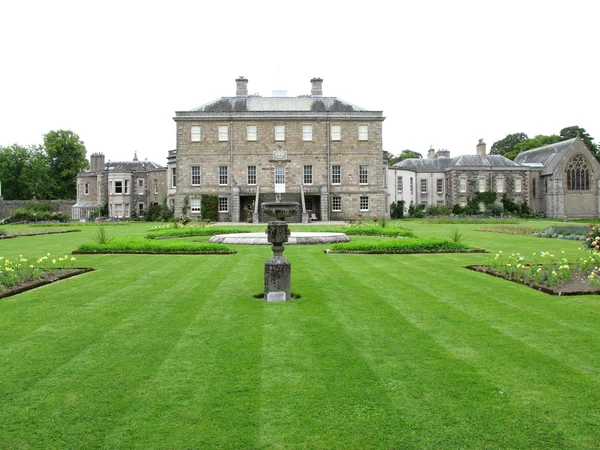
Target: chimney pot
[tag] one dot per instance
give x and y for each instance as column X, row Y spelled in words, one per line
column 481, row 148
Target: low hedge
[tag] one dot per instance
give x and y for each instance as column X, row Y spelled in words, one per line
column 141, row 245
column 425, row 245
column 194, row 231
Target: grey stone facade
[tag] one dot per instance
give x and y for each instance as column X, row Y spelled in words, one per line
column 270, row 145
column 127, row 187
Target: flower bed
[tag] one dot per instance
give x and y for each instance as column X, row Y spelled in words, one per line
column 19, row 271
column 547, row 272
column 511, row 230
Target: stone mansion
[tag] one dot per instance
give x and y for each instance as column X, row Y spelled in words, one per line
column 327, row 155
column 322, row 152
column 558, row 180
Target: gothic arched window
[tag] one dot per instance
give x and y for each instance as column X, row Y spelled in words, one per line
column 578, row 174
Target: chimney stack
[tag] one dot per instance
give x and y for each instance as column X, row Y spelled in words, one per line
column 431, row 153
column 241, row 86
column 97, row 162
column 317, row 87
column 481, row 151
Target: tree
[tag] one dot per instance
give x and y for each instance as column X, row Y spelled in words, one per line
column 539, row 141
column 23, row 172
column 503, row 146
column 574, row 131
column 405, row 154
column 66, row 157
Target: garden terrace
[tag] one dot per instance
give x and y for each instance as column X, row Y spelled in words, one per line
column 380, row 351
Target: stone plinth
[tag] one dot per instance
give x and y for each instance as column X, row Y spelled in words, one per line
column 278, row 275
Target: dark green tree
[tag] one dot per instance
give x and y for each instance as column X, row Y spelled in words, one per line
column 66, row 157
column 23, row 172
column 574, row 131
column 539, row 141
column 503, row 146
column 404, row 154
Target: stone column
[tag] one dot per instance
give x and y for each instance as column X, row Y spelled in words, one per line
column 324, row 204
column 235, row 204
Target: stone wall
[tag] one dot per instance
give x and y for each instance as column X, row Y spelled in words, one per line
column 8, row 206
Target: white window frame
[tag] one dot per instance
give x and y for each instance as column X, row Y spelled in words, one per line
column 195, row 206
column 399, row 184
column 336, row 203
column 251, row 133
column 173, row 177
column 363, row 132
column 223, row 133
column 86, row 188
column 126, row 188
column 361, row 203
column 462, row 185
column 439, row 185
column 223, row 204
column 195, row 133
column 518, row 184
column 481, row 184
column 336, row 174
column 196, row 178
column 423, row 184
column 279, row 132
column 307, row 133
column 279, row 174
column 412, row 188
column 336, row 132
column 155, row 186
column 251, row 175
column 500, row 185
column 223, row 175
column 308, row 174
column 118, row 187
column 363, row 174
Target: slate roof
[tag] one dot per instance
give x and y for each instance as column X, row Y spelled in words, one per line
column 458, row 162
column 130, row 166
column 259, row 104
column 424, row 165
column 548, row 156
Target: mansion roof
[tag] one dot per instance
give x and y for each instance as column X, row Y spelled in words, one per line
column 261, row 104
column 548, row 156
column 457, row 163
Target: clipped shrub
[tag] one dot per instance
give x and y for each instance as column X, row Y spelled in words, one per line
column 425, row 245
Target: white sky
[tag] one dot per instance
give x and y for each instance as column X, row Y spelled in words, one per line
column 444, row 73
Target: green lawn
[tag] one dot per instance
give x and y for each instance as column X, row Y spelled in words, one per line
column 380, row 351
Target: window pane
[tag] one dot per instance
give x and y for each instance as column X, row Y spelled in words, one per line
column 336, row 132
column 251, row 174
column 307, row 132
column 280, row 132
column 223, row 204
column 251, row 133
column 336, row 203
column 363, row 174
column 336, row 172
column 364, row 203
column 279, row 175
column 196, row 176
column 195, row 205
column 223, row 132
column 363, row 132
column 308, row 178
column 196, row 133
column 223, row 175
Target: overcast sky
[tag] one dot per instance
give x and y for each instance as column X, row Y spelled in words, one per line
column 444, row 73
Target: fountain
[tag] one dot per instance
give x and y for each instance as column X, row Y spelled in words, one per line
column 278, row 269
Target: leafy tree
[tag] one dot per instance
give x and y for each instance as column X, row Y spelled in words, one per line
column 539, row 141
column 506, row 145
column 404, row 154
column 23, row 172
column 571, row 132
column 66, row 157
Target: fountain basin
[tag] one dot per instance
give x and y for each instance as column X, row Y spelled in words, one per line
column 296, row 237
column 280, row 210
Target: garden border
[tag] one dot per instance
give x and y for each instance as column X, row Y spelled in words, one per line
column 51, row 277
